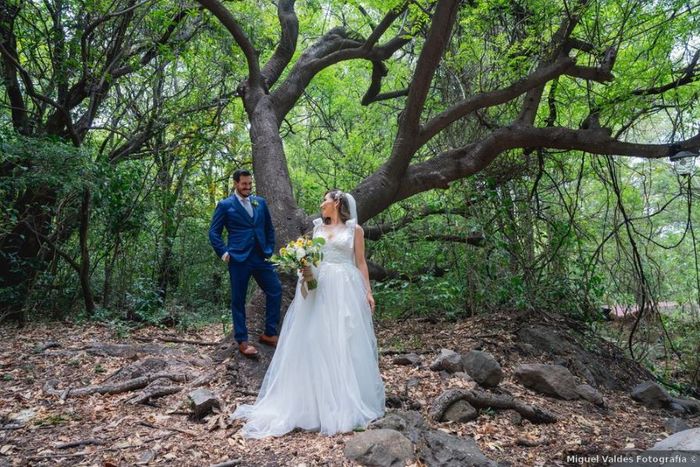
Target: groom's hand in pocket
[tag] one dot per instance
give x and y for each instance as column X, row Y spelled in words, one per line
column 226, row 257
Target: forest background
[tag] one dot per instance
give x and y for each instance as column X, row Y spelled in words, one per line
column 506, row 156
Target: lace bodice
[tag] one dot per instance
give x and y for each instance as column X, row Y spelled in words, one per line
column 339, row 246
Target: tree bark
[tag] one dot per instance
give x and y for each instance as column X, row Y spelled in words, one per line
column 85, row 253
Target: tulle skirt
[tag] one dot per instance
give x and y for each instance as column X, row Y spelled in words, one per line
column 324, row 375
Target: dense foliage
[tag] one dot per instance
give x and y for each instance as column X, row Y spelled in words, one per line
column 157, row 129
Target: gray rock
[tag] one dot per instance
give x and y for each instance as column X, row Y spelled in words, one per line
column 461, row 412
column 443, row 402
column 677, row 408
column 675, row 424
column 407, row 359
column 203, row 401
column 543, row 339
column 19, row 419
column 379, row 448
column 527, row 350
column 439, row 449
column 678, row 450
column 651, row 395
column 408, row 423
column 590, row 394
column 553, row 380
column 448, row 360
column 483, row 368
column 690, row 406
column 515, row 417
column 393, row 401
column 686, row 440
column 538, row 339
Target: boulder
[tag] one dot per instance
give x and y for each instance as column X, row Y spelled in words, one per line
column 203, row 401
column 448, row 360
column 686, row 440
column 541, row 339
column 461, row 411
column 675, row 424
column 690, row 406
column 444, row 401
column 439, row 449
column 553, row 380
column 651, row 395
column 381, row 448
column 407, row 359
column 409, row 423
column 678, row 450
column 590, row 394
column 483, row 368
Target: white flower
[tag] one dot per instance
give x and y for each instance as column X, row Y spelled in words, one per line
column 301, row 253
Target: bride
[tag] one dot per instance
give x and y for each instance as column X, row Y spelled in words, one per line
column 324, row 375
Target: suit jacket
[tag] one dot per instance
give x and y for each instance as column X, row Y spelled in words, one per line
column 243, row 231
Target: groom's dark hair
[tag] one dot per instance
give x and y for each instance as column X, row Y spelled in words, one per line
column 241, row 173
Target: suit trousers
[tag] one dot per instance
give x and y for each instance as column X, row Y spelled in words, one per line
column 266, row 277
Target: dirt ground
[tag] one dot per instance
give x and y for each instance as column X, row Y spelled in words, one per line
column 109, row 430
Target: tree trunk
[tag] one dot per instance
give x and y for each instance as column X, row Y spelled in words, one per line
column 85, row 253
column 270, row 170
column 20, row 260
column 109, row 269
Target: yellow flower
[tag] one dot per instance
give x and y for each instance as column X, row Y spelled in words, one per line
column 283, row 251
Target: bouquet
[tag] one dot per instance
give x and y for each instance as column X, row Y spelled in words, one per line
column 298, row 254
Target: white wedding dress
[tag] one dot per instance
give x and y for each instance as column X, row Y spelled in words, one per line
column 324, row 375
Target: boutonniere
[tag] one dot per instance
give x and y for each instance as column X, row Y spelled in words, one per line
column 254, row 203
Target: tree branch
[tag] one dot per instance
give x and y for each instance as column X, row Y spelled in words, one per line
column 599, row 75
column 385, row 96
column 559, row 45
column 387, row 21
column 255, row 78
column 473, row 239
column 8, row 47
column 488, row 99
column 377, row 231
column 333, row 47
column 287, row 45
column 454, row 164
column 690, row 74
column 428, row 61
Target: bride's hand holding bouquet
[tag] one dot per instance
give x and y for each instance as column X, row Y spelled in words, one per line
column 300, row 254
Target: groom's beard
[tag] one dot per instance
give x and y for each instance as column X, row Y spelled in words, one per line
column 244, row 193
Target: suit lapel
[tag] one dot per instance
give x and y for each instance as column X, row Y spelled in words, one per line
column 241, row 210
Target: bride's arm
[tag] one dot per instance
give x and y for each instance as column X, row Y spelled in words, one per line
column 362, row 263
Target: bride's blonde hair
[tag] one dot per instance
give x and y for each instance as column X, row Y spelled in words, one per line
column 343, row 206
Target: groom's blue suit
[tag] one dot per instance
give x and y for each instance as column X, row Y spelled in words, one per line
column 251, row 240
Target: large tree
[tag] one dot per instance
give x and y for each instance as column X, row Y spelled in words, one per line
column 532, row 49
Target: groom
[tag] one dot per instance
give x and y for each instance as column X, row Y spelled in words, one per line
column 251, row 240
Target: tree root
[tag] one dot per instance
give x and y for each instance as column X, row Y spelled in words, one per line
column 81, row 443
column 481, row 399
column 116, row 388
column 177, row 340
column 153, row 393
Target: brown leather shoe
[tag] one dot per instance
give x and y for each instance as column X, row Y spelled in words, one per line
column 268, row 340
column 247, row 350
